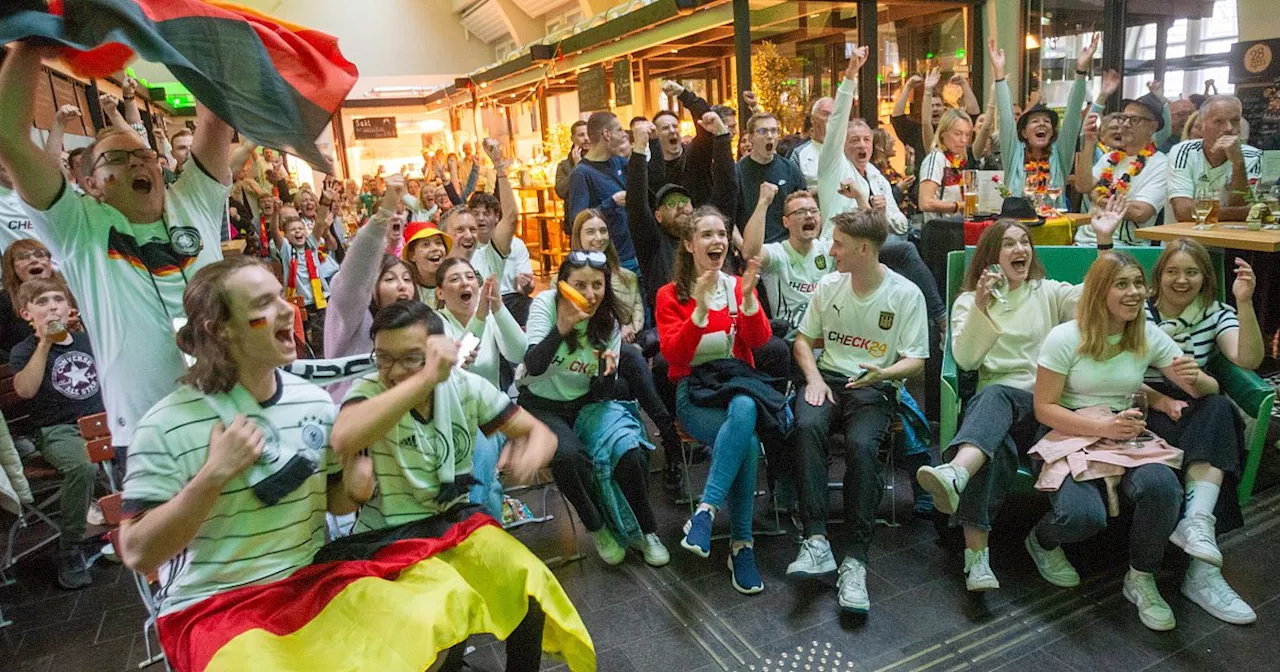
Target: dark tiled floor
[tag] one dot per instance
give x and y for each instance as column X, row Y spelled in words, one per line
column 686, row 616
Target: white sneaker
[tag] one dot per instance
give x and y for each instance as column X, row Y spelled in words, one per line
column 1053, row 565
column 852, row 587
column 1197, row 535
column 1140, row 589
column 977, row 567
column 814, row 559
column 94, row 516
column 650, row 546
column 945, row 482
column 1205, row 586
column 607, row 546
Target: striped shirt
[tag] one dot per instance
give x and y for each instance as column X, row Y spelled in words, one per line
column 1196, row 330
column 242, row 540
column 420, row 457
column 1188, row 169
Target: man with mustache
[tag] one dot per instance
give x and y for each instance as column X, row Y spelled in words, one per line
column 1137, row 158
column 129, row 258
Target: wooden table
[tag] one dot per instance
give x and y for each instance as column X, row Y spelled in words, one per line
column 1235, row 239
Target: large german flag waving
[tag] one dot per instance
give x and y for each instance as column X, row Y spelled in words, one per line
column 389, row 600
column 274, row 82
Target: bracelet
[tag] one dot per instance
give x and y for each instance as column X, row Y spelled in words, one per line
column 1106, row 246
column 1082, row 73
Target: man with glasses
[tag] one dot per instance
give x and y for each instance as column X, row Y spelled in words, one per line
column 597, row 182
column 1135, row 170
column 128, row 258
column 1219, row 162
column 762, row 165
column 791, row 268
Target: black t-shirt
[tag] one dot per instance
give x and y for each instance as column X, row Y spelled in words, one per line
column 70, row 389
column 13, row 329
column 751, row 174
column 911, row 134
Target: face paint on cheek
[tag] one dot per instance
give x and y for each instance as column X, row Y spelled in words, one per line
column 258, row 322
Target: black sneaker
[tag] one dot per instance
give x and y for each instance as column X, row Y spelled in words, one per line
column 73, row 574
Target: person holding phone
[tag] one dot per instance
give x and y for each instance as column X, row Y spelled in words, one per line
column 1088, row 371
column 873, row 328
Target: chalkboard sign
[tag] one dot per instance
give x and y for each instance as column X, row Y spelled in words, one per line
column 622, row 82
column 593, row 89
column 373, row 128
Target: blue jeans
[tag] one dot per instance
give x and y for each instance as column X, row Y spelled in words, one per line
column 735, row 455
column 484, row 468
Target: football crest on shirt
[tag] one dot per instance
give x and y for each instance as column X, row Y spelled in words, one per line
column 312, row 435
column 886, row 320
column 186, row 241
column 820, row 262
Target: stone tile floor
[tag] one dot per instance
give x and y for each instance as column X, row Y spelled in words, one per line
column 686, row 616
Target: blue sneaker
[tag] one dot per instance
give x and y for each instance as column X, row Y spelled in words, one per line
column 697, row 534
column 742, row 567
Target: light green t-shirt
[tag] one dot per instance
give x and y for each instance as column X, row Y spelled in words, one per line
column 880, row 329
column 791, row 278
column 242, row 540
column 127, row 309
column 419, row 454
column 487, row 261
column 1094, row 383
column 570, row 373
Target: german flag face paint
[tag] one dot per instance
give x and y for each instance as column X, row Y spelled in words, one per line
column 258, row 322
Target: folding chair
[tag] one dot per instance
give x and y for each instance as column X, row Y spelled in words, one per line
column 45, row 486
column 888, row 469
column 687, row 445
column 96, row 433
column 543, row 479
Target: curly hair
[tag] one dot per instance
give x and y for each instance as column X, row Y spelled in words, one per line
column 208, row 310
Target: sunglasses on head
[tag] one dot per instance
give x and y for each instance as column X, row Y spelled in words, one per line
column 595, row 260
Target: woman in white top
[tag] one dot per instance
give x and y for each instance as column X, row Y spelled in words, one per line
column 1098, row 360
column 941, row 171
column 1184, row 305
column 1000, row 339
column 467, row 307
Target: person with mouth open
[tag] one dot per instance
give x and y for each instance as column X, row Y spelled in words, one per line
column 22, row 261
column 1088, row 371
column 425, row 248
column 1134, row 168
column 571, row 371
column 1035, row 155
column 1001, row 342
column 761, row 165
column 705, row 316
column 129, row 258
column 873, row 328
column 1184, row 305
column 487, row 247
column 306, row 269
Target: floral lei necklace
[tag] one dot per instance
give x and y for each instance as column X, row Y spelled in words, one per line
column 1109, row 185
column 1038, row 174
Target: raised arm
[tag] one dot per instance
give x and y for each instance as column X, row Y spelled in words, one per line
column 1083, row 175
column 1244, row 346
column 753, row 234
column 904, row 95
column 926, row 106
column 970, row 100
column 358, row 278
column 1004, row 107
column 986, row 122
column 724, row 174
column 505, row 229
column 53, row 145
column 1156, row 87
column 640, row 218
column 362, row 424
column 211, row 145
column 36, row 176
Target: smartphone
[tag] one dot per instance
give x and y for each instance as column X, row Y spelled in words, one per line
column 860, row 375
column 466, row 346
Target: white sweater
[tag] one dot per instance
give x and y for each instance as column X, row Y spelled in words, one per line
column 1003, row 346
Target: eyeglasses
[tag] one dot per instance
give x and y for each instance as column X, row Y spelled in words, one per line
column 120, row 157
column 385, row 362
column 1131, row 119
column 32, row 254
column 595, row 260
column 803, row 212
column 769, row 130
column 676, row 201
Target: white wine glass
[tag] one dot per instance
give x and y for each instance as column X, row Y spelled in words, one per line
column 997, row 289
column 1138, row 401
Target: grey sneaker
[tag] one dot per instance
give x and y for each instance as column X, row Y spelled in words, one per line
column 1053, row 565
column 72, row 572
column 945, row 482
column 814, row 559
column 1140, row 589
column 1196, row 534
column 977, row 567
column 1205, row 586
column 852, row 587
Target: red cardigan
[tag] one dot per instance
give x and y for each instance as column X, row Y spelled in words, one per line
column 678, row 336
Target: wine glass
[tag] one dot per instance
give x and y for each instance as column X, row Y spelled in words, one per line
column 1053, row 193
column 1206, row 198
column 997, row 290
column 1138, row 400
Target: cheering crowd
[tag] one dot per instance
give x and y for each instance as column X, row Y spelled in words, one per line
column 768, row 308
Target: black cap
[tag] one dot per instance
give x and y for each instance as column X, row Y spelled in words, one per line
column 1038, row 108
column 1020, row 209
column 1153, row 105
column 669, row 188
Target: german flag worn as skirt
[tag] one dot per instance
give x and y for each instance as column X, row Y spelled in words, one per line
column 391, row 600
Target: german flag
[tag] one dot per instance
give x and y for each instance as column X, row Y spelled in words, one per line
column 417, row 595
column 276, row 83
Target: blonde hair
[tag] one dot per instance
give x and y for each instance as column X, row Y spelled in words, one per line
column 949, row 118
column 1093, row 316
